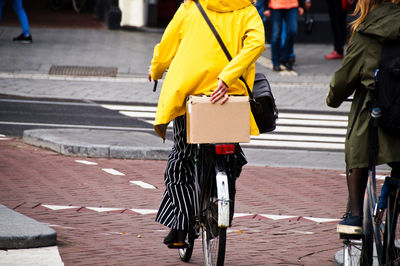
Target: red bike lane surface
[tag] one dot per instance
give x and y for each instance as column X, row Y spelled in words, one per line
column 276, row 209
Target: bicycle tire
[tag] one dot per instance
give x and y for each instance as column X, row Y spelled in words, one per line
column 390, row 249
column 371, row 232
column 367, row 245
column 213, row 237
column 214, row 247
column 79, row 5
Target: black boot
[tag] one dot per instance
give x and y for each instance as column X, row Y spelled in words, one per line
column 179, row 242
column 171, row 237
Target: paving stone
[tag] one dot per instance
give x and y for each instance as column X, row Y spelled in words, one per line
column 32, row 176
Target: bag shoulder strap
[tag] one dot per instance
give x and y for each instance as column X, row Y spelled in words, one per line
column 221, row 43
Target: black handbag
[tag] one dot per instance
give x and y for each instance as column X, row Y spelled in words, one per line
column 262, row 102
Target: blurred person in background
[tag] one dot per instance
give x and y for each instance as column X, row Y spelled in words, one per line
column 25, row 36
column 338, row 17
column 286, row 11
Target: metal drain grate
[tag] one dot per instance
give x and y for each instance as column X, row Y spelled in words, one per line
column 83, row 71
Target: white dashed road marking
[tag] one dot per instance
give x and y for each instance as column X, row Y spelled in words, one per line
column 85, row 162
column 101, row 209
column 277, row 217
column 144, row 211
column 143, row 184
column 60, row 207
column 112, row 171
column 236, row 215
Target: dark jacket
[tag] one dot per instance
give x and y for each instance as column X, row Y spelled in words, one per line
column 357, row 76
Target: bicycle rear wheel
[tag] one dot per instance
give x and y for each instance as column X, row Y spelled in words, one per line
column 367, row 245
column 214, row 237
column 391, row 237
column 352, row 252
column 372, row 233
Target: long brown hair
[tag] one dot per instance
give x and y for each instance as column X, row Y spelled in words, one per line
column 363, row 8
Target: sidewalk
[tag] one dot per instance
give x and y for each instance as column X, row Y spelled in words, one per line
column 131, row 53
column 24, row 72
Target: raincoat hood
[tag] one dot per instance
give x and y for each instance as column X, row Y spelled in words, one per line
column 227, row 5
column 380, row 22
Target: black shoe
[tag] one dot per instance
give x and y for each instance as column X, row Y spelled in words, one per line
column 350, row 225
column 171, row 237
column 23, row 39
column 289, row 65
column 277, row 68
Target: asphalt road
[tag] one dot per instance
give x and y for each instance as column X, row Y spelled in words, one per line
column 17, row 115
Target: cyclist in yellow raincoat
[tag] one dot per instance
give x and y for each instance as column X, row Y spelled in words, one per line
column 197, row 65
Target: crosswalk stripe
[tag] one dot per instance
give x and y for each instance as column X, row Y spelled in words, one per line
column 294, row 144
column 294, row 130
column 130, row 108
column 320, row 123
column 313, row 116
column 138, row 114
column 298, row 138
column 310, row 130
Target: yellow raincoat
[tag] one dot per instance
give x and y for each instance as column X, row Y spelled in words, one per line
column 195, row 60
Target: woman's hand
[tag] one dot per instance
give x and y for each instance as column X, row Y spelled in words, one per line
column 221, row 92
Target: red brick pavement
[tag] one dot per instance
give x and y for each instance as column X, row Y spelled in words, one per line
column 31, row 176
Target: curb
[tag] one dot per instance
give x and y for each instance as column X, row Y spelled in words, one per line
column 100, row 143
column 19, row 231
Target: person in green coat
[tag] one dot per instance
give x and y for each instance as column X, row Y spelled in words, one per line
column 378, row 22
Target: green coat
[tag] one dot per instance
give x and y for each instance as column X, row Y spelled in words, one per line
column 356, row 75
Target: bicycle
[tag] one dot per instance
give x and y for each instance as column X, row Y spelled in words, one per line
column 380, row 236
column 215, row 176
column 381, row 233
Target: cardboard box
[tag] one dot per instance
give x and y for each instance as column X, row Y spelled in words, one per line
column 216, row 123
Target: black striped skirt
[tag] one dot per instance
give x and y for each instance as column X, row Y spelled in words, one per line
column 177, row 204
